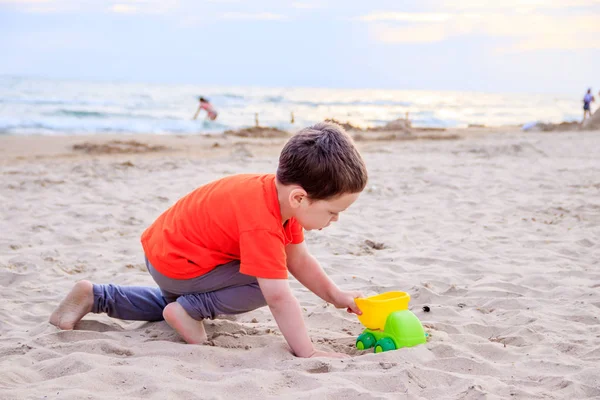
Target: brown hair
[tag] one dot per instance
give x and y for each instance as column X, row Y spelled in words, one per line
column 323, row 160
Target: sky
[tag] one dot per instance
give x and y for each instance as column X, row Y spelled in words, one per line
column 541, row 46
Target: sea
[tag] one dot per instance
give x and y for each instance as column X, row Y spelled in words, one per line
column 35, row 106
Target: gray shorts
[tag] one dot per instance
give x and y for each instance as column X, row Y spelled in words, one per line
column 224, row 290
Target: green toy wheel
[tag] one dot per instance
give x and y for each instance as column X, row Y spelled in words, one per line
column 365, row 341
column 384, row 344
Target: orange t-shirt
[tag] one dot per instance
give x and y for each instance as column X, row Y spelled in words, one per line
column 234, row 218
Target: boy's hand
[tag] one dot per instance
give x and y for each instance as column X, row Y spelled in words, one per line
column 346, row 300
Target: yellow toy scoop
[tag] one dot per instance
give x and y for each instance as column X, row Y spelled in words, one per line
column 376, row 309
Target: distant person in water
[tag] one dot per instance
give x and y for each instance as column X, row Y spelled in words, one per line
column 588, row 99
column 205, row 105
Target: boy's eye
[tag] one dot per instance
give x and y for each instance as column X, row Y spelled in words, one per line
column 333, row 213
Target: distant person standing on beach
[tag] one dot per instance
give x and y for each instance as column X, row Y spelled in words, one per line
column 588, row 99
column 205, row 105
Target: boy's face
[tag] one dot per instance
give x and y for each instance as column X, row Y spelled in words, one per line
column 319, row 214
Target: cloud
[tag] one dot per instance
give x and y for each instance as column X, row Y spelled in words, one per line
column 547, row 32
column 123, row 9
column 25, row 1
column 527, row 32
column 144, row 6
column 40, row 6
column 405, row 17
column 94, row 6
column 518, row 5
column 266, row 16
column 410, row 34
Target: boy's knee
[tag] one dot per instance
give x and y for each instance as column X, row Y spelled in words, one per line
column 224, row 302
column 168, row 311
column 195, row 307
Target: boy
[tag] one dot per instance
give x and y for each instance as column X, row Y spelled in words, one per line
column 227, row 247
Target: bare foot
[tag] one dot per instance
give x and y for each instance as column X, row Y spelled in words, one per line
column 189, row 329
column 74, row 306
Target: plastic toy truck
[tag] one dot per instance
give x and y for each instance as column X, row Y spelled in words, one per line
column 390, row 325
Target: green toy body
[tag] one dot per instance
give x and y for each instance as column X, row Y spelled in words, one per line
column 402, row 329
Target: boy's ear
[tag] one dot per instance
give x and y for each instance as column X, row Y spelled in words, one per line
column 297, row 197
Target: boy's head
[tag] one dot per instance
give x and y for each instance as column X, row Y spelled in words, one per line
column 324, row 173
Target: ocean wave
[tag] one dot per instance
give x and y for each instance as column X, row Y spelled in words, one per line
column 57, row 102
column 231, row 96
column 80, row 114
column 102, row 115
column 82, row 126
column 356, row 103
column 274, row 99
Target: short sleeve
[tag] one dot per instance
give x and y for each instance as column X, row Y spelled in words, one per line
column 262, row 254
column 295, row 231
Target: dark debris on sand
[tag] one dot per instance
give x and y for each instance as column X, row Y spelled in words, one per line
column 375, row 245
column 346, row 125
column 258, row 132
column 117, row 147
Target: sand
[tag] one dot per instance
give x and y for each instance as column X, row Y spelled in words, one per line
column 593, row 122
column 498, row 233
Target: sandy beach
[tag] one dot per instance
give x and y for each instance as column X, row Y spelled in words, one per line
column 497, row 232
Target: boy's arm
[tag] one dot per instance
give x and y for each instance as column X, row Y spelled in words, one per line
column 288, row 315
column 307, row 271
column 197, row 112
